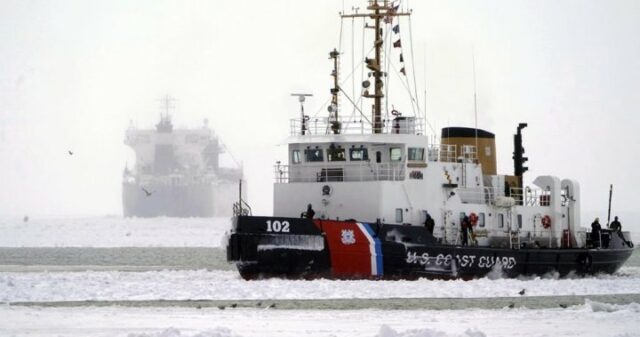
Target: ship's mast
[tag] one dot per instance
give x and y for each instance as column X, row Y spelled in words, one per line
column 333, row 108
column 167, row 105
column 165, row 124
column 379, row 10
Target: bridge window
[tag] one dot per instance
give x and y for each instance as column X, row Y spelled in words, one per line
column 336, row 154
column 313, row 155
column 395, row 153
column 358, row 154
column 416, row 154
column 295, row 157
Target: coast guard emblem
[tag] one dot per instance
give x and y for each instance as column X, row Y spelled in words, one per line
column 348, row 238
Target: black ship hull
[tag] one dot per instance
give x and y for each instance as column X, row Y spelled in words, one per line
column 303, row 248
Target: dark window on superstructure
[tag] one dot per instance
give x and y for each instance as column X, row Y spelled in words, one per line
column 415, row 154
column 519, row 220
column 395, row 154
column 313, row 155
column 336, row 154
column 481, row 220
column 398, row 215
column 295, row 157
column 501, row 220
column 358, row 154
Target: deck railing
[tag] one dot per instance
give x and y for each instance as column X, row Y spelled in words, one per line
column 530, row 196
column 351, row 125
column 500, row 197
column 515, row 237
column 363, row 171
column 450, row 153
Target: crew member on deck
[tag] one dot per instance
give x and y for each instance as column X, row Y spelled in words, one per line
column 595, row 232
column 465, row 226
column 310, row 213
column 615, row 225
column 429, row 223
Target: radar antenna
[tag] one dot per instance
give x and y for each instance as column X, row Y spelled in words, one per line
column 303, row 118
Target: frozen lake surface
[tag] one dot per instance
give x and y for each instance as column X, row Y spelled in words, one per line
column 112, row 231
column 227, row 285
column 591, row 319
column 109, row 276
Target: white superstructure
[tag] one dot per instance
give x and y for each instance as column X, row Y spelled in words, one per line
column 398, row 176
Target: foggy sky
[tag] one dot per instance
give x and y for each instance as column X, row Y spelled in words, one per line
column 74, row 73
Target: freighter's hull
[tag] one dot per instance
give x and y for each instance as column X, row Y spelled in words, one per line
column 303, row 248
column 184, row 200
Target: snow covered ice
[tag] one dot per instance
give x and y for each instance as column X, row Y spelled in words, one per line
column 112, row 231
column 590, row 320
column 227, row 285
column 44, row 287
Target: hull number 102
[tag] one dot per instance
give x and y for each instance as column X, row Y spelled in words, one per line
column 277, row 226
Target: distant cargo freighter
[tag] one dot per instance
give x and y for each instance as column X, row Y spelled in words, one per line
column 178, row 173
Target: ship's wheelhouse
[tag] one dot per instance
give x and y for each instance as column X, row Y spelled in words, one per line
column 330, row 160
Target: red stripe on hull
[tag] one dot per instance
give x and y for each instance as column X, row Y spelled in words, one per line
column 349, row 248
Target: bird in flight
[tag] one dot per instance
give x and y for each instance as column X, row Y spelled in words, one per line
column 70, row 152
column 521, row 292
column 147, row 192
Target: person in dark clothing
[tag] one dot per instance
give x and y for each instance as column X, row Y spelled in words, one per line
column 310, row 213
column 595, row 232
column 465, row 226
column 429, row 223
column 615, row 225
column 507, row 189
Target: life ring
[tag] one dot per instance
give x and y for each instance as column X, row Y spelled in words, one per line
column 473, row 218
column 546, row 221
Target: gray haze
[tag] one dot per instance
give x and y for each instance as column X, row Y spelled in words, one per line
column 74, row 73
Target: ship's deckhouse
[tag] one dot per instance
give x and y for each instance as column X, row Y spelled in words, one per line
column 399, row 177
column 354, row 160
